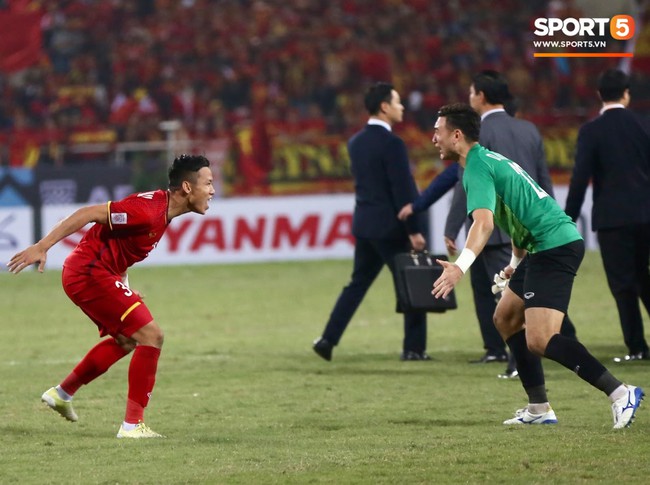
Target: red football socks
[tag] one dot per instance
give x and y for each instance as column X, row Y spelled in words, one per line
column 97, row 361
column 142, row 377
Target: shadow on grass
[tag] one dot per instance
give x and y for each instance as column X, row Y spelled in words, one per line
column 379, row 364
column 345, row 370
column 438, row 423
column 73, row 431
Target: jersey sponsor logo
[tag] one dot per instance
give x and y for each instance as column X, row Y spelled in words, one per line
column 146, row 195
column 528, row 295
column 118, row 218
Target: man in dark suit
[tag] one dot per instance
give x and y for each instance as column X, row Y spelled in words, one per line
column 613, row 150
column 383, row 184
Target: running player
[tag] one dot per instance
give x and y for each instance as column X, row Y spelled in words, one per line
column 498, row 190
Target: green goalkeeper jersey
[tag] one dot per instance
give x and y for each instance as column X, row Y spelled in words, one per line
column 531, row 217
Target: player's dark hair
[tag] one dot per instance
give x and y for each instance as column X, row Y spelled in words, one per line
column 185, row 167
column 493, row 85
column 461, row 116
column 377, row 93
column 612, row 84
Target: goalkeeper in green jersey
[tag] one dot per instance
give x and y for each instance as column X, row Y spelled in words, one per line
column 500, row 192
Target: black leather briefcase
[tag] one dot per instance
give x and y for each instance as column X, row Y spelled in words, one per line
column 414, row 275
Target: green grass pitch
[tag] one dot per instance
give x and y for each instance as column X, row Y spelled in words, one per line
column 243, row 399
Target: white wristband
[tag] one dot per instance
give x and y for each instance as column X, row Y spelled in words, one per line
column 125, row 280
column 514, row 261
column 465, row 259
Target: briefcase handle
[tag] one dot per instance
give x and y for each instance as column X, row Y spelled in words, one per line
column 416, row 260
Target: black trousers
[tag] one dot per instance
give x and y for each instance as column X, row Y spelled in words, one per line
column 370, row 256
column 491, row 260
column 626, row 254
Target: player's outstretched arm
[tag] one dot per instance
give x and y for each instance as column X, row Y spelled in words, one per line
column 37, row 253
column 477, row 238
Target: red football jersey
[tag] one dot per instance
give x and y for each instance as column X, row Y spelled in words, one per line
column 135, row 225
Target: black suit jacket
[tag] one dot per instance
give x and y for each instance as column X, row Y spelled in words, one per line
column 383, row 184
column 614, row 151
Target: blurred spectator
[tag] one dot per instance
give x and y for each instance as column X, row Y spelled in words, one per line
column 124, row 66
column 23, row 141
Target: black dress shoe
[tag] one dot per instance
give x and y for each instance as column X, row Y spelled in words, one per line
column 413, row 355
column 323, row 348
column 488, row 358
column 631, row 357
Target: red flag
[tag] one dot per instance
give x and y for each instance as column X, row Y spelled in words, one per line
column 20, row 40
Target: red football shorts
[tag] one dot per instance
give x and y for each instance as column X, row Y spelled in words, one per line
column 109, row 303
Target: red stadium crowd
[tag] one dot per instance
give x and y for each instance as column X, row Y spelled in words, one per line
column 110, row 71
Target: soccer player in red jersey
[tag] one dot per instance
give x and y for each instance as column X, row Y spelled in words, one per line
column 95, row 279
